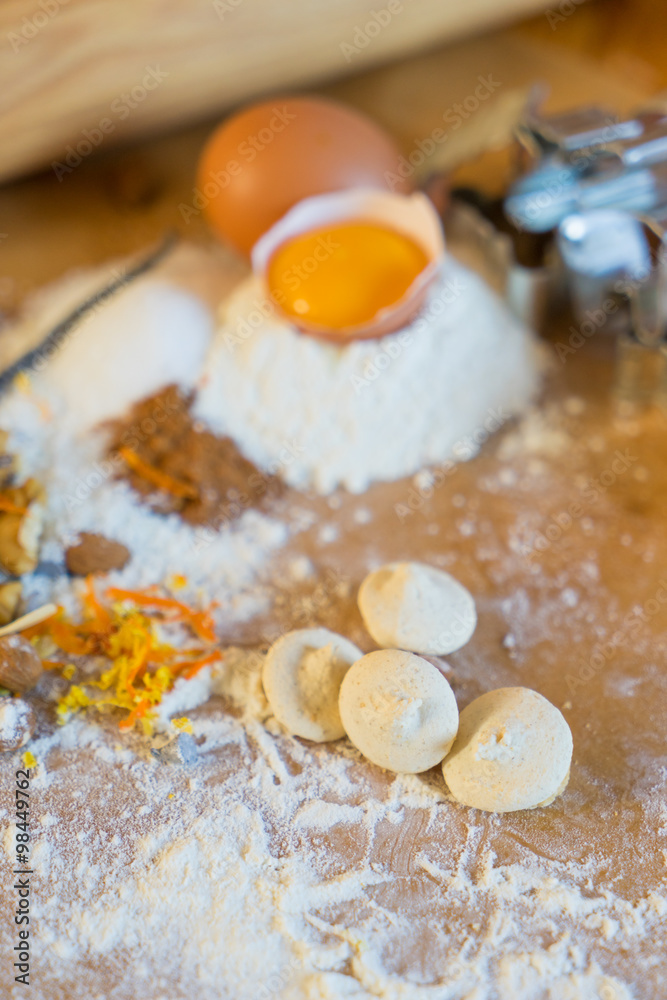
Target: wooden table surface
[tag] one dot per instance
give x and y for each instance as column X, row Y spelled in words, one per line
column 119, row 201
column 122, row 200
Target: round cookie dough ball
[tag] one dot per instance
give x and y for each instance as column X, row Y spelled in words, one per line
column 513, row 751
column 398, row 710
column 302, row 675
column 409, row 605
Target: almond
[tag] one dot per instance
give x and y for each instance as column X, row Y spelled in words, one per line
column 20, row 665
column 95, row 554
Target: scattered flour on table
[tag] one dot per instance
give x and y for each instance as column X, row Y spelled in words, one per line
column 272, row 869
column 217, row 881
column 15, row 716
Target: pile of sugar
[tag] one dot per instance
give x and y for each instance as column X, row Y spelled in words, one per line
column 148, row 335
column 325, row 415
column 152, row 335
column 82, row 494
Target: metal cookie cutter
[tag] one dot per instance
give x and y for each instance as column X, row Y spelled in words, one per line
column 601, row 183
column 588, row 159
column 518, row 265
column 617, row 266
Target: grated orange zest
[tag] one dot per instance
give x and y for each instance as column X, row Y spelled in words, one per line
column 100, row 614
column 36, row 630
column 8, row 507
column 142, row 667
column 194, row 666
column 146, row 597
column 201, row 622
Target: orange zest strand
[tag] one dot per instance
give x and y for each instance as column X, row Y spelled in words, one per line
column 201, row 622
column 42, row 627
column 141, row 661
column 202, row 625
column 8, row 507
column 194, row 666
column 68, row 639
column 137, row 713
column 140, row 666
column 157, row 477
column 141, row 597
column 100, row 614
column 45, row 410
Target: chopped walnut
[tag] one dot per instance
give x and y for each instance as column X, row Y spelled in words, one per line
column 8, row 462
column 21, row 527
column 10, row 599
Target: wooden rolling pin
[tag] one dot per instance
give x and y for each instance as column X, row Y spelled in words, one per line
column 79, row 75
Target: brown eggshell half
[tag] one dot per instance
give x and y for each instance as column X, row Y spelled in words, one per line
column 413, row 215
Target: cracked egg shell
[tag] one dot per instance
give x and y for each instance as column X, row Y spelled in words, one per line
column 409, row 219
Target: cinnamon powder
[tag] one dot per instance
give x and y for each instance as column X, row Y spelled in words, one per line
column 180, row 467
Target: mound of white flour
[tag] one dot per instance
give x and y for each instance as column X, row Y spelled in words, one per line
column 318, row 414
column 324, row 415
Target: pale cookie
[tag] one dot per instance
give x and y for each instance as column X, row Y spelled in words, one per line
column 513, row 751
column 302, row 676
column 398, row 710
column 409, row 605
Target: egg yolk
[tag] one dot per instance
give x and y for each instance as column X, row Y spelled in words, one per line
column 342, row 276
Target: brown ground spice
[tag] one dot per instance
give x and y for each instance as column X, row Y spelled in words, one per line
column 208, row 481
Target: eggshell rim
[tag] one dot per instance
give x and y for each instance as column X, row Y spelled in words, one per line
column 412, row 215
